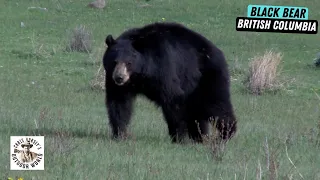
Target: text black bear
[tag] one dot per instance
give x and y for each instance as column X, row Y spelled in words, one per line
column 178, row 69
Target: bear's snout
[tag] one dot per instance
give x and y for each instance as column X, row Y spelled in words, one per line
column 118, row 79
column 120, row 74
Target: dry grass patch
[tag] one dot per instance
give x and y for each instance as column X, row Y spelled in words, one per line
column 264, row 72
column 99, row 4
column 98, row 81
column 80, row 39
column 213, row 141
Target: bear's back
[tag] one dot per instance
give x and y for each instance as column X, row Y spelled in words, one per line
column 165, row 32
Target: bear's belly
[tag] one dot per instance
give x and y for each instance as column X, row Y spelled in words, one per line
column 152, row 95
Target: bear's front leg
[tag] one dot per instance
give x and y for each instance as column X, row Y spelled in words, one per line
column 119, row 106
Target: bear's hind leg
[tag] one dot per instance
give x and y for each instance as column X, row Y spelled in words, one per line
column 176, row 125
column 227, row 126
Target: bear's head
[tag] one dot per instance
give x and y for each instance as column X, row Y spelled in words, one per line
column 122, row 59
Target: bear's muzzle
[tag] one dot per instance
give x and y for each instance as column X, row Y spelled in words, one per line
column 120, row 74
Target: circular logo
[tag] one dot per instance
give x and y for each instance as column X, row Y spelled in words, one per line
column 27, row 152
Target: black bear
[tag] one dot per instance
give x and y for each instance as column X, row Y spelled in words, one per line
column 178, row 69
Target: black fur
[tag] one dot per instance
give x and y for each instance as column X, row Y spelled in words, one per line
column 178, row 69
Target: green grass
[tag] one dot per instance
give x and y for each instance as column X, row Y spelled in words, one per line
column 41, row 82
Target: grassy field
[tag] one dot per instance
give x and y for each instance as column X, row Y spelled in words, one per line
column 41, row 83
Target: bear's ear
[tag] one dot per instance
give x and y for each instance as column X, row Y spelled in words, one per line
column 110, row 41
